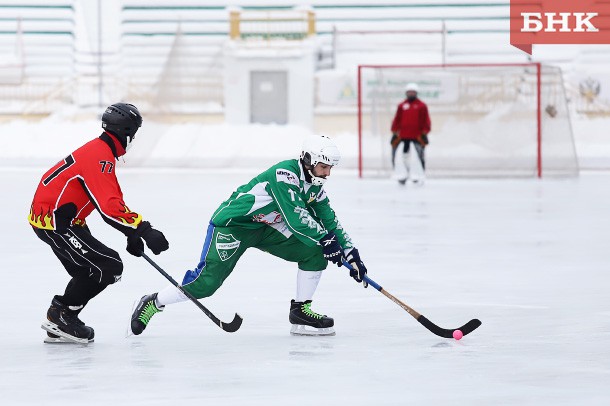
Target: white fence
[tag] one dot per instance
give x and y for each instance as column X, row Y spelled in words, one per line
column 168, row 58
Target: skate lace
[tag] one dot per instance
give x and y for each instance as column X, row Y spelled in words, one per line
column 147, row 312
column 306, row 308
column 78, row 321
column 71, row 317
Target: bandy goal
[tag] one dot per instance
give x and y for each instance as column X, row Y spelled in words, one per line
column 487, row 119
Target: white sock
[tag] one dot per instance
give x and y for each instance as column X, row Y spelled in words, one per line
column 307, row 282
column 170, row 295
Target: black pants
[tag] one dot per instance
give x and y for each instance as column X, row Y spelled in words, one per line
column 91, row 264
column 419, row 148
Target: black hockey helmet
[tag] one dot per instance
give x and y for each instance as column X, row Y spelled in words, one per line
column 123, row 121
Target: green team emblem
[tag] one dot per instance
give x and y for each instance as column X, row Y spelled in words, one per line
column 226, row 245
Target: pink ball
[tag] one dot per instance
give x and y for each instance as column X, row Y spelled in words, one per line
column 457, row 334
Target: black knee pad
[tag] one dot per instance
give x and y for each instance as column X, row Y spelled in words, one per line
column 113, row 274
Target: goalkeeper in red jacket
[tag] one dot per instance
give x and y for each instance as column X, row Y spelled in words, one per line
column 410, row 127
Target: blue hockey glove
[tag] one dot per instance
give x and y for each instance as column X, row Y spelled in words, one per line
column 359, row 270
column 331, row 248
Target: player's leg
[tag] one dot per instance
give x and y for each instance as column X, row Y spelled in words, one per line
column 311, row 263
column 222, row 248
column 402, row 168
column 418, row 163
column 421, row 149
column 92, row 266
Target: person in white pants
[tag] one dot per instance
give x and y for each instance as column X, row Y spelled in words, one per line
column 410, row 128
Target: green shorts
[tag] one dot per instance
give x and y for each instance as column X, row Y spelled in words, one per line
column 225, row 245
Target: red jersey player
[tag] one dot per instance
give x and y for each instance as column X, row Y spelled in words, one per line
column 67, row 193
column 410, row 126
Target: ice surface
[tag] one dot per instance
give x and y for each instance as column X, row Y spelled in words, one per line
column 527, row 257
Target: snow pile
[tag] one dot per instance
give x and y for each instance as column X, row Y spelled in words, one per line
column 42, row 143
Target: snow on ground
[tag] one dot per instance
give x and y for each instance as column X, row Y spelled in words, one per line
column 196, row 145
column 528, row 257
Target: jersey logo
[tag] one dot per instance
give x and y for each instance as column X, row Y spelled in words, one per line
column 226, row 245
column 283, row 175
column 312, row 197
column 321, row 196
column 271, row 218
column 307, row 220
column 406, row 106
column 74, row 242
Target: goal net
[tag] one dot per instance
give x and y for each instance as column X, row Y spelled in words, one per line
column 487, row 119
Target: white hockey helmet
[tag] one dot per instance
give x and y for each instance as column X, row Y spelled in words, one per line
column 319, row 149
column 412, row 87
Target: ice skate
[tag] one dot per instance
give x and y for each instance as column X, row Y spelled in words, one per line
column 417, row 181
column 64, row 326
column 143, row 312
column 306, row 322
column 55, row 339
column 399, row 177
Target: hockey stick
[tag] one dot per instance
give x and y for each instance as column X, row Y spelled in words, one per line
column 228, row 327
column 439, row 331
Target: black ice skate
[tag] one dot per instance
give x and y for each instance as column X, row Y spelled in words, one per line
column 306, row 322
column 64, row 326
column 143, row 312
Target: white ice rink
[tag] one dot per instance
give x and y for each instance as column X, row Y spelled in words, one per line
column 528, row 257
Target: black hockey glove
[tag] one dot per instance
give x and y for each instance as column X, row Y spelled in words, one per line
column 359, row 270
column 331, row 248
column 395, row 140
column 155, row 240
column 423, row 140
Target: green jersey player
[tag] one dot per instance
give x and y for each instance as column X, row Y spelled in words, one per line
column 283, row 211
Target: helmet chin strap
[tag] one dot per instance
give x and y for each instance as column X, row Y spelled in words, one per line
column 316, row 180
column 311, row 178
